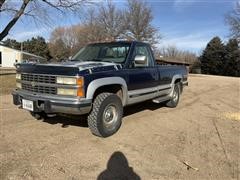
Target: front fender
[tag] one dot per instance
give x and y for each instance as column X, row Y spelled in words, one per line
column 95, row 84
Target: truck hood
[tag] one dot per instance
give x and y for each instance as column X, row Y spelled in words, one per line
column 81, row 65
column 67, row 67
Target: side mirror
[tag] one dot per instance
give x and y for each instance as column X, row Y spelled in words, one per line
column 140, row 59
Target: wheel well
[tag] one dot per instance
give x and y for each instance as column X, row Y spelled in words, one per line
column 177, row 81
column 113, row 88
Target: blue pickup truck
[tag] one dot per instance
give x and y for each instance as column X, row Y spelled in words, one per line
column 99, row 81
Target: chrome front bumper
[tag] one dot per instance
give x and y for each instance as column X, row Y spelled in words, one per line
column 53, row 103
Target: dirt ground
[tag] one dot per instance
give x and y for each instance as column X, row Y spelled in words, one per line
column 154, row 142
column 7, row 83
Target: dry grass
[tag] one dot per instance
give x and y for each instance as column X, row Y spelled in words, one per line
column 233, row 115
column 7, row 83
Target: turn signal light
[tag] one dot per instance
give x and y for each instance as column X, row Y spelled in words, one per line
column 80, row 92
column 80, row 81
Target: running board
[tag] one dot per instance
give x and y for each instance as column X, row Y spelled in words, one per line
column 161, row 99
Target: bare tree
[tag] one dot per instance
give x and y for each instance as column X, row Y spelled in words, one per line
column 13, row 21
column 66, row 41
column 58, row 44
column 93, row 30
column 233, row 19
column 111, row 20
column 1, row 3
column 37, row 10
column 138, row 19
column 172, row 53
column 106, row 23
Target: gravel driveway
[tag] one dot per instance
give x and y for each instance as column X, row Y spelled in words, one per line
column 200, row 139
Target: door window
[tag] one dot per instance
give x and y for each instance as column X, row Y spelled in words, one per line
column 143, row 51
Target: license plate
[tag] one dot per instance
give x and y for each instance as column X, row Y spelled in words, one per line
column 28, row 105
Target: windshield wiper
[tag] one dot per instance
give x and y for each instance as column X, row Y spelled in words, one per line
column 95, row 59
column 103, row 60
column 109, row 61
column 76, row 60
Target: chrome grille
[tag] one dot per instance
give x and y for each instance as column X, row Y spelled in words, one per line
column 39, row 89
column 38, row 78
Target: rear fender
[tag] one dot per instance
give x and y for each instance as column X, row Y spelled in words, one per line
column 175, row 77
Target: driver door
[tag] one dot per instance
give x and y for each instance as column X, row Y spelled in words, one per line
column 143, row 77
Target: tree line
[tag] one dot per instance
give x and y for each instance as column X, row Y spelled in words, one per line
column 233, row 20
column 106, row 22
column 221, row 59
column 172, row 53
column 35, row 45
column 102, row 23
column 37, row 11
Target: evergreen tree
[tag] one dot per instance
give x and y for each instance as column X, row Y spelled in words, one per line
column 232, row 59
column 37, row 46
column 12, row 43
column 212, row 59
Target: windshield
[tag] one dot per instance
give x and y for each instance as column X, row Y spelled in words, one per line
column 116, row 53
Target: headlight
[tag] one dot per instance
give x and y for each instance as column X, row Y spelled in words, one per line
column 19, row 85
column 18, row 76
column 66, row 80
column 70, row 81
column 79, row 91
column 69, row 92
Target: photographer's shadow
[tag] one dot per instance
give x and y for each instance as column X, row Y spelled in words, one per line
column 118, row 169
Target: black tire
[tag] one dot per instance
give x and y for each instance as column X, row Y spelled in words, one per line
column 106, row 116
column 173, row 102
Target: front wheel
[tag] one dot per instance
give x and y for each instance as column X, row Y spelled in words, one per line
column 173, row 102
column 106, row 116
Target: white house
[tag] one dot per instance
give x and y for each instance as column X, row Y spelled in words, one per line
column 10, row 56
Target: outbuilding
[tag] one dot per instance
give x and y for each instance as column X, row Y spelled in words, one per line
column 10, row 56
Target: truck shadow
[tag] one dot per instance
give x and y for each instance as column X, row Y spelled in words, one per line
column 147, row 105
column 67, row 121
column 81, row 121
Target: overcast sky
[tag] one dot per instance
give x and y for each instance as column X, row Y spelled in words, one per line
column 187, row 24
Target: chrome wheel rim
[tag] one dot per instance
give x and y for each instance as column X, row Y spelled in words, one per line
column 110, row 116
column 175, row 95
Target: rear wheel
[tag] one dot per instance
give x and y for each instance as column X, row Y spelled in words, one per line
column 106, row 116
column 173, row 102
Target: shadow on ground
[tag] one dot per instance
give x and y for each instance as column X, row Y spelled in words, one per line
column 147, row 105
column 81, row 121
column 66, row 121
column 118, row 168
